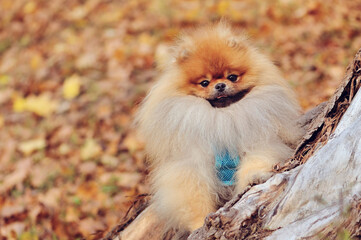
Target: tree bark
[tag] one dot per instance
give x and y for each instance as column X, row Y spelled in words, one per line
column 316, row 195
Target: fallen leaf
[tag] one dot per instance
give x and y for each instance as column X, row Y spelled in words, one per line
column 88, row 190
column 71, row 87
column 78, row 13
column 72, row 214
column 15, row 227
column 1, row 121
column 19, row 104
column 4, row 79
column 5, row 95
column 51, row 197
column 29, row 7
column 90, row 149
column 17, row 176
column 28, row 235
column 41, row 105
column 87, row 168
column 30, row 146
column 36, row 61
column 132, row 143
column 34, row 212
column 128, row 179
column 109, row 160
column 64, row 149
column 86, row 60
column 90, row 226
column 40, row 177
column 8, row 150
column 10, row 210
column 222, row 7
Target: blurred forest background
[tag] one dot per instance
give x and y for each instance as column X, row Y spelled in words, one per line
column 73, row 71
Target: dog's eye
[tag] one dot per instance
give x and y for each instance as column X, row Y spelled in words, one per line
column 204, row 83
column 232, row 77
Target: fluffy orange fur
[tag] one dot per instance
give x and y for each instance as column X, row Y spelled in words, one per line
column 217, row 92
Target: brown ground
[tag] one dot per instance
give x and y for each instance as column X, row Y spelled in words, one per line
column 72, row 72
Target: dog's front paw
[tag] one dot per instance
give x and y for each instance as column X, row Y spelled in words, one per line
column 248, row 179
column 261, row 178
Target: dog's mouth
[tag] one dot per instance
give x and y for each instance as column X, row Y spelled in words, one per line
column 224, row 100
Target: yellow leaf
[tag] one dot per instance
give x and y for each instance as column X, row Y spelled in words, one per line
column 132, row 143
column 236, row 14
column 146, row 39
column 90, row 149
column 29, row 7
column 36, row 61
column 119, row 54
column 28, row 235
column 1, row 121
column 41, row 105
column 30, row 146
column 19, row 104
column 222, row 7
column 7, row 4
column 70, row 37
column 4, row 79
column 78, row 13
column 71, row 87
column 64, row 149
column 192, row 14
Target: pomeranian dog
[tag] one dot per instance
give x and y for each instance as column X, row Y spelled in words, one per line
column 219, row 117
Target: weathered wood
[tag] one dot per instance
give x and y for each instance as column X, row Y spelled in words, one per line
column 318, row 189
column 146, row 226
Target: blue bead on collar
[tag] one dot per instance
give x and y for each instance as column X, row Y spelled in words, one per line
column 226, row 167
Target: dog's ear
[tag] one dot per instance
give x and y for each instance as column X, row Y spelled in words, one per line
column 183, row 46
column 166, row 54
column 238, row 42
column 232, row 42
column 163, row 55
column 182, row 55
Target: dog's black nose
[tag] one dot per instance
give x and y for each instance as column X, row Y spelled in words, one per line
column 220, row 87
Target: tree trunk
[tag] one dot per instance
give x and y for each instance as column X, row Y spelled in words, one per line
column 316, row 195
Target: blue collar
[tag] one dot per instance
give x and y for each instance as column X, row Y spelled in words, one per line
column 226, row 167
